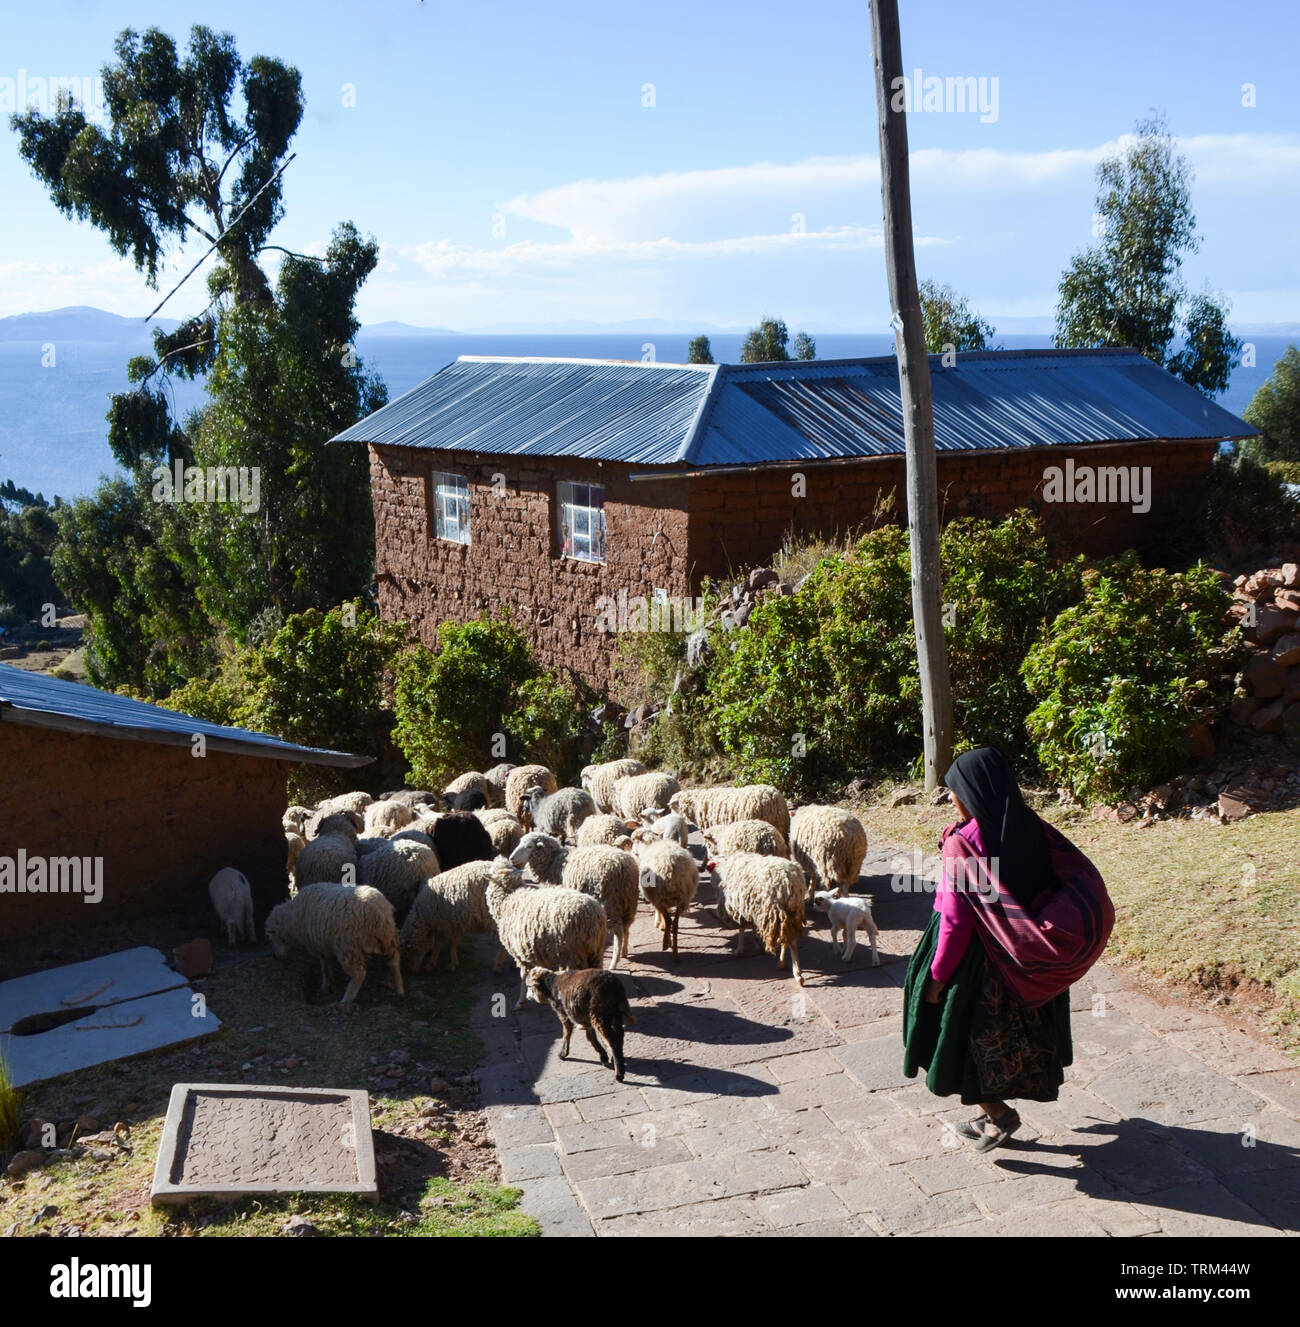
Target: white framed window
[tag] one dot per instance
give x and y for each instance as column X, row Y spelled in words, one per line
column 450, row 503
column 580, row 521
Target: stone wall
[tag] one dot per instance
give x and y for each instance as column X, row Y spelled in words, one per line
column 668, row 534
column 513, row 558
column 739, row 520
column 163, row 820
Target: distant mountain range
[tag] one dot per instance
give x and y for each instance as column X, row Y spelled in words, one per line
column 84, row 323
column 80, row 322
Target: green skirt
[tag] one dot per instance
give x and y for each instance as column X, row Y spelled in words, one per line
column 979, row 1042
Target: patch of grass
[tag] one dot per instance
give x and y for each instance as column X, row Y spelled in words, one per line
column 11, row 1106
column 1213, row 909
column 471, row 1210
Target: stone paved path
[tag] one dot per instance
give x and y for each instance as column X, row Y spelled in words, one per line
column 751, row 1107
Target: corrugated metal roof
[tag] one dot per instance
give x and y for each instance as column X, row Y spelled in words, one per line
column 603, row 409
column 41, row 701
column 728, row 414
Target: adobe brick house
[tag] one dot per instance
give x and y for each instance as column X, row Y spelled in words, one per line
column 554, row 485
column 88, row 774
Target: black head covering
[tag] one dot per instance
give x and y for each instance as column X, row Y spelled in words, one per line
column 1010, row 831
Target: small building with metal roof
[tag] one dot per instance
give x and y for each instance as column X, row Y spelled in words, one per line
column 116, row 809
column 559, row 485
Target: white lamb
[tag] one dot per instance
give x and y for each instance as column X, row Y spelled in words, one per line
column 671, row 827
column 599, row 780
column 829, row 843
column 766, row 895
column 708, row 807
column 606, row 873
column 635, row 793
column 668, row 881
column 232, row 897
column 337, row 921
column 848, row 915
column 293, row 845
column 544, row 926
column 446, row 907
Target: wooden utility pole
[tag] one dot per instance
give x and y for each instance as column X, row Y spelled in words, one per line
column 914, row 383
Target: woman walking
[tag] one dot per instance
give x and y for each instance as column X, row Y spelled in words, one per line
column 1020, row 914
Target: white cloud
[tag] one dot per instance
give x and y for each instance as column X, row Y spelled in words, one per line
column 444, row 259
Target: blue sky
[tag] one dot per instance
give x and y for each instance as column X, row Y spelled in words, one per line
column 505, row 157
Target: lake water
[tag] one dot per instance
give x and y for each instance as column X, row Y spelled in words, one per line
column 53, row 436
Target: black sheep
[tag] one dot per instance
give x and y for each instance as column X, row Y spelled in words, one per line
column 469, row 800
column 459, row 837
column 592, row 998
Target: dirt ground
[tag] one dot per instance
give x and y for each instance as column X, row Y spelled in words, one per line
column 415, row 1056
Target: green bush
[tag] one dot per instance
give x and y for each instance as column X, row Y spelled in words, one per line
column 546, row 725
column 1002, row 587
column 823, row 682
column 1242, row 513
column 651, row 666
column 453, row 702
column 1275, row 411
column 1121, row 676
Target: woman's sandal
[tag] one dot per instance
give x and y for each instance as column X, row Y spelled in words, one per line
column 973, row 1128
column 1000, row 1132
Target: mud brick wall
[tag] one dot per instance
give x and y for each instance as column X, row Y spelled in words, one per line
column 512, row 558
column 163, row 820
column 739, row 520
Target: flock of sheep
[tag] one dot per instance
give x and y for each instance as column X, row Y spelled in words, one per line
column 552, row 873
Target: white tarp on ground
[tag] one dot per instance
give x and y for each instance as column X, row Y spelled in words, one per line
column 136, row 1003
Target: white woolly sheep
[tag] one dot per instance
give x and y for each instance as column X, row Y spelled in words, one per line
column 496, row 784
column 519, row 781
column 606, row 873
column 829, row 843
column 397, row 870
column 708, row 807
column 671, row 827
column 412, row 835
column 337, row 921
column 558, row 813
column 446, row 907
column 848, row 915
column 668, row 879
column 766, row 895
column 334, row 822
column 745, row 836
column 544, row 926
column 599, row 780
column 412, row 797
column 330, row 859
column 232, row 897
column 293, row 845
column 386, row 818
column 635, row 793
column 472, row 781
column 503, row 829
column 606, row 829
column 295, row 819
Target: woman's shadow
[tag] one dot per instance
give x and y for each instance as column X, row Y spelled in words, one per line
column 1233, row 1176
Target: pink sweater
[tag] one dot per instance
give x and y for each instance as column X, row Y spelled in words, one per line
column 956, row 921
